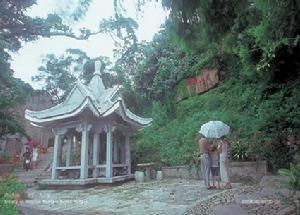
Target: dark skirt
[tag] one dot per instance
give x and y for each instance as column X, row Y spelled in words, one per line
column 215, row 171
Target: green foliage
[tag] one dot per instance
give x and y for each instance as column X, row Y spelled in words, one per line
column 296, row 158
column 169, row 145
column 182, row 91
column 13, row 92
column 158, row 73
column 255, row 31
column 127, row 64
column 56, row 76
column 293, row 174
column 150, row 72
column 256, row 123
column 8, row 187
column 159, row 114
column 238, row 150
column 122, row 31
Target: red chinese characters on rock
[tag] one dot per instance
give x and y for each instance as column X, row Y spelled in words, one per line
column 202, row 83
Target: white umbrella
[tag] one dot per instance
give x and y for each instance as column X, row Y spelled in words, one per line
column 214, row 129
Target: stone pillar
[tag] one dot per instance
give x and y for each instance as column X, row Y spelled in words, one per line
column 69, row 150
column 58, row 132
column 115, row 151
column 96, row 146
column 55, row 162
column 108, row 169
column 127, row 154
column 59, row 151
column 123, row 152
column 84, row 152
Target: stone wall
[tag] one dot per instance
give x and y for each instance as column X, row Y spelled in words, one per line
column 187, row 172
column 239, row 171
column 247, row 171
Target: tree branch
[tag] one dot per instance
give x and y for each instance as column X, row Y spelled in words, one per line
column 71, row 35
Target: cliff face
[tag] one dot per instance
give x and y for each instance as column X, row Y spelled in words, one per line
column 39, row 101
column 14, row 144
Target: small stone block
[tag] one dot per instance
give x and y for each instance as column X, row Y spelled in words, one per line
column 139, row 176
column 159, row 175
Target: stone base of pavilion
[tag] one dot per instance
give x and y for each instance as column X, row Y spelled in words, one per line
column 84, row 182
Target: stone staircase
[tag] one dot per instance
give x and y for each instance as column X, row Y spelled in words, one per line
column 43, row 170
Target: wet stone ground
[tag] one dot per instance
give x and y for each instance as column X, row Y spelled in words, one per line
column 167, row 197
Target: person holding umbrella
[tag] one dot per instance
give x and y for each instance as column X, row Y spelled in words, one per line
column 215, row 129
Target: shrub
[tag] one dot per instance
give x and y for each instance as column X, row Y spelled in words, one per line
column 239, row 151
column 8, row 188
column 293, row 174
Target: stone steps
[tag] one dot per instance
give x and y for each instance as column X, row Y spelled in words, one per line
column 43, row 171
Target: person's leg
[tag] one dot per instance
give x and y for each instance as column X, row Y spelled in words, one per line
column 218, row 181
column 228, row 184
column 214, row 181
column 213, row 176
column 205, row 171
column 203, row 168
column 218, row 176
column 223, row 170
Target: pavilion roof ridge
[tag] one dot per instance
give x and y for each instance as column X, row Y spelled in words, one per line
column 75, row 85
column 106, row 96
column 75, row 110
column 84, row 89
column 96, row 84
column 94, row 96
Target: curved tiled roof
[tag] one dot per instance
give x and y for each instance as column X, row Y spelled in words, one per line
column 95, row 97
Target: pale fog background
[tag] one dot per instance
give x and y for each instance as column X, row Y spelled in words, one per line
column 26, row 61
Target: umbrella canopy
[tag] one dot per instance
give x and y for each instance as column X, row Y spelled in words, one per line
column 214, row 129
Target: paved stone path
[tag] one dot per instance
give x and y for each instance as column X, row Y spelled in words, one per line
column 258, row 199
column 168, row 197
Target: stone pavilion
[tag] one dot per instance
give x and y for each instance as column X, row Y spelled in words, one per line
column 92, row 129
